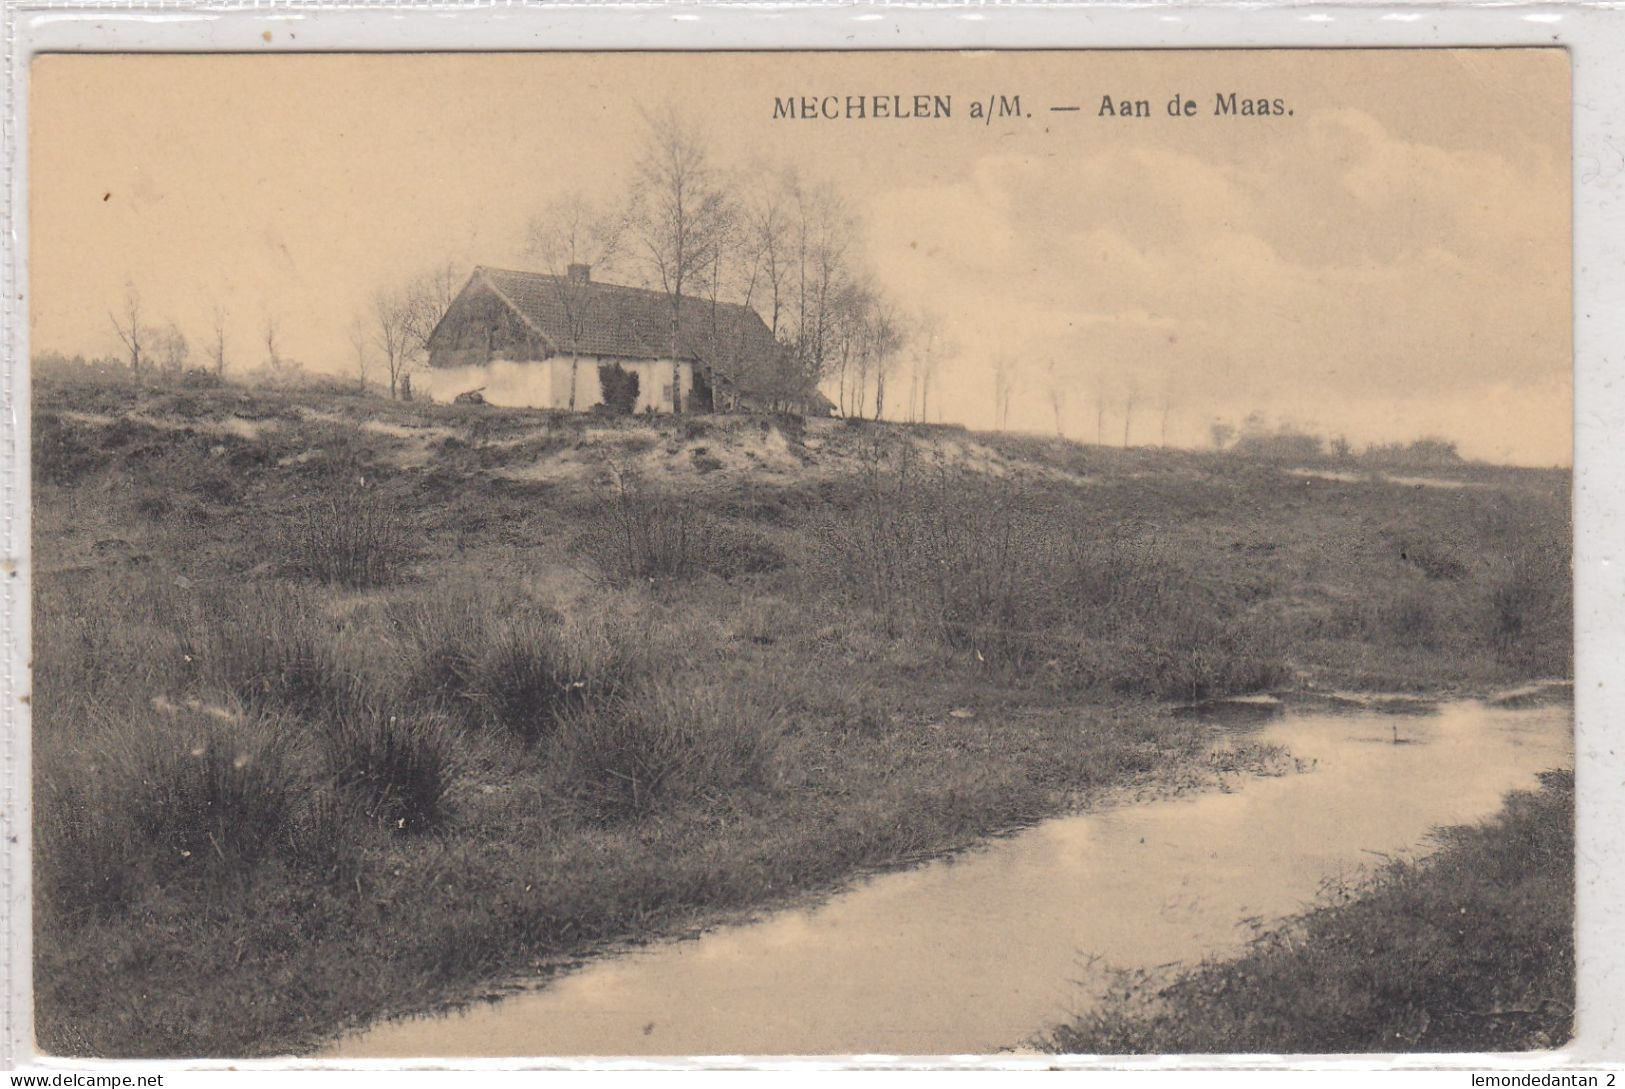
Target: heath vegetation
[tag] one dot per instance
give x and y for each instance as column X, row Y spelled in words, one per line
column 345, row 707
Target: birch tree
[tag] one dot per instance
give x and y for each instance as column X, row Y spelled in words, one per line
column 679, row 215
column 571, row 239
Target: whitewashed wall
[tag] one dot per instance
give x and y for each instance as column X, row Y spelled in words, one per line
column 546, row 384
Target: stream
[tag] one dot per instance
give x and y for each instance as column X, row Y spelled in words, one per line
column 982, row 950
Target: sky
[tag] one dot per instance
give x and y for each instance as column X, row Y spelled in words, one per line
column 1390, row 260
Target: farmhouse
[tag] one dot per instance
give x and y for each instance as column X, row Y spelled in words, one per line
column 533, row 340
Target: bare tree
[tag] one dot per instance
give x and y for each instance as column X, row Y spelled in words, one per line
column 679, row 216
column 391, row 321
column 886, row 337
column 927, row 341
column 1055, row 386
column 824, row 234
column 846, row 341
column 735, row 357
column 767, row 219
column 219, row 326
column 570, row 238
column 128, row 327
column 1006, row 373
column 1129, row 397
column 425, row 300
column 1100, row 410
column 1221, row 433
column 361, row 343
column 269, row 336
column 938, row 348
column 1167, row 410
column 173, row 349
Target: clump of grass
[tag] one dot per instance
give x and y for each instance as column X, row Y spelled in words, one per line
column 521, row 672
column 175, row 790
column 1434, row 558
column 441, row 636
column 352, row 539
column 1471, row 949
column 277, row 652
column 537, row 670
column 665, row 746
column 1410, row 617
column 1193, row 656
column 645, row 536
column 397, row 770
column 62, row 454
column 1530, row 604
column 999, row 569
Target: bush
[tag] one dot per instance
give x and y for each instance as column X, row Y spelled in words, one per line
column 1530, row 605
column 1282, row 446
column 644, row 536
column 1409, row 618
column 618, row 389
column 353, row 540
column 1195, row 657
column 994, row 567
column 1435, row 559
column 61, row 454
column 666, row 746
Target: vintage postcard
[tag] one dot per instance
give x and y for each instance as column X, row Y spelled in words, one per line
column 801, row 553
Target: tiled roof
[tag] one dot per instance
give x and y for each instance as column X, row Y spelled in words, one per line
column 630, row 322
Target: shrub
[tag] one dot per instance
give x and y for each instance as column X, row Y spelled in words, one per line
column 663, row 747
column 353, row 540
column 618, row 388
column 61, row 454
column 396, row 769
column 646, row 536
column 1194, row 657
column 1433, row 558
column 1409, row 618
column 997, row 568
column 1283, row 446
column 1530, row 604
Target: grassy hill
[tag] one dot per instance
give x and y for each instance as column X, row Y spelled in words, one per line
column 346, row 707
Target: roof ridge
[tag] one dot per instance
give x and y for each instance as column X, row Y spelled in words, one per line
column 656, row 292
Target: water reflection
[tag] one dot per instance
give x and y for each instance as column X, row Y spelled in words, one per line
column 978, row 954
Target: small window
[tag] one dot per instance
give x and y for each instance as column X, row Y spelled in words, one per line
column 666, row 393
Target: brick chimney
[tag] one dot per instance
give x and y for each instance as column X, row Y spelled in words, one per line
column 579, row 274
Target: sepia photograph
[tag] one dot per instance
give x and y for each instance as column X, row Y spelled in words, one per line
column 747, row 553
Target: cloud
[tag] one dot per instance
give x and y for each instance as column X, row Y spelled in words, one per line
column 1355, row 269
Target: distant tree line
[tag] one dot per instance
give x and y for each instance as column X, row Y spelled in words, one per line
column 1288, row 441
